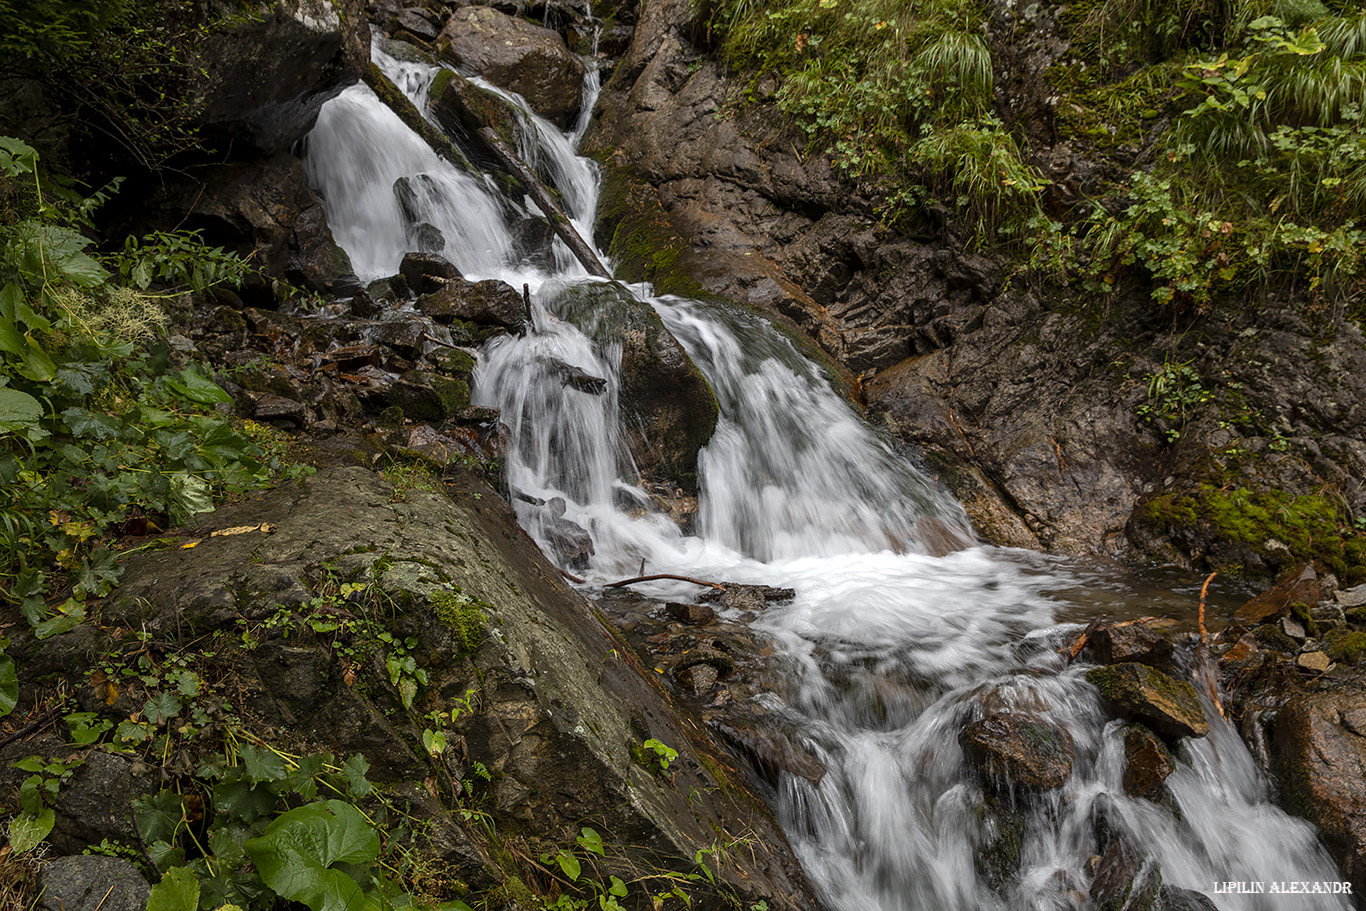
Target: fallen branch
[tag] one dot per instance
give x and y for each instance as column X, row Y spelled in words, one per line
column 545, row 202
column 716, row 585
column 1206, row 665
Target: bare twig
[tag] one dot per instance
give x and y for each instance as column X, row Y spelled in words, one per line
column 570, row 576
column 716, row 585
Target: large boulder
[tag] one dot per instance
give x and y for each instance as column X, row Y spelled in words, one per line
column 264, row 77
column 1320, row 754
column 668, row 409
column 261, row 207
column 518, row 56
column 555, row 704
column 1013, row 750
column 1167, row 705
column 92, row 883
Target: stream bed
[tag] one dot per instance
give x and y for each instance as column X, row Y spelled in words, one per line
column 903, row 628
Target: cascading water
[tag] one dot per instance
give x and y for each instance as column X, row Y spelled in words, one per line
column 894, row 648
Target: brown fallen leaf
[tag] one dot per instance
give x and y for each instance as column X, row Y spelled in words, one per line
column 264, row 528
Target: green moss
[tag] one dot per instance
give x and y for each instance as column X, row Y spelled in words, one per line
column 1356, row 614
column 642, row 239
column 454, row 361
column 1269, row 635
column 1310, row 526
column 1344, row 645
column 467, row 617
column 1300, row 611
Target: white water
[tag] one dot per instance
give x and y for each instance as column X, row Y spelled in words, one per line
column 893, row 649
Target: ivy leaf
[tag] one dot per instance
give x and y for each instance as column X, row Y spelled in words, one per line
column 262, row 765
column 177, row 891
column 162, row 707
column 159, row 816
column 27, row 830
column 295, row 855
column 355, row 768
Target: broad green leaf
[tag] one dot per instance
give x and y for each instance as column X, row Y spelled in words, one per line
column 198, row 388
column 192, row 495
column 26, row 830
column 9, row 685
column 570, row 865
column 62, row 623
column 95, row 424
column 35, row 364
column 241, row 800
column 262, row 765
column 18, row 410
column 295, row 855
column 159, row 816
column 11, row 339
column 177, row 891
column 162, row 707
column 16, row 157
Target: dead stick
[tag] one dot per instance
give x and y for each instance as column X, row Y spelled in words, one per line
column 526, row 299
column 1204, row 633
column 570, row 576
column 1206, row 665
column 716, row 585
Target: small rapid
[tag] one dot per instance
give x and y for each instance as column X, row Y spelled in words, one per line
column 902, row 631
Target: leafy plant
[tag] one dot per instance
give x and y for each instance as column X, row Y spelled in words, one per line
column 35, row 817
column 96, row 427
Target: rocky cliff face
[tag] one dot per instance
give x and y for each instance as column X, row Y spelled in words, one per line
column 1062, row 420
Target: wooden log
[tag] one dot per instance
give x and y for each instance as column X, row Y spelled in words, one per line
column 553, row 213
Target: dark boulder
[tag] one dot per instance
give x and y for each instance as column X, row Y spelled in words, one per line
column 490, row 302
column 263, row 209
column 1147, row 761
column 518, row 56
column 1132, row 642
column 1013, row 750
column 92, row 883
column 1320, row 758
column 264, row 78
column 1168, row 706
column 426, row 272
column 568, row 540
column 668, row 409
column 1125, row 878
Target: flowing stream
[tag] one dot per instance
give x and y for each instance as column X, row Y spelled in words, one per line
column 893, row 648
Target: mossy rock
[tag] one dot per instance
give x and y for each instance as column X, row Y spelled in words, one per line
column 428, row 396
column 396, row 101
column 1238, row 529
column 1169, row 706
column 1346, row 646
column 637, row 234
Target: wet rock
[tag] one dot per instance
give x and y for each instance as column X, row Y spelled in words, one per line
column 769, row 748
column 570, row 542
column 276, row 409
column 1320, row 761
column 691, row 614
column 667, row 408
column 1317, row 662
column 426, row 396
column 1301, row 586
column 516, row 55
column 1125, row 878
column 699, row 679
column 1173, row 898
column 92, row 883
column 97, row 802
column 1168, row 706
column 997, row 856
column 1135, row 642
column 571, row 376
column 414, row 21
column 408, row 337
column 534, row 239
column 1293, row 628
column 753, row 598
column 719, row 661
column 1013, row 750
column 490, row 302
column 264, row 77
column 427, row 272
column 1147, row 761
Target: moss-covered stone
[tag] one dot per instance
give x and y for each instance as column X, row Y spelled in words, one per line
column 1169, row 706
column 467, row 617
column 1346, row 646
column 1222, row 522
column 637, row 234
column 1271, row 636
column 426, row 396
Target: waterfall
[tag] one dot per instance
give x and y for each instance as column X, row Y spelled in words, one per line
column 893, row 647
